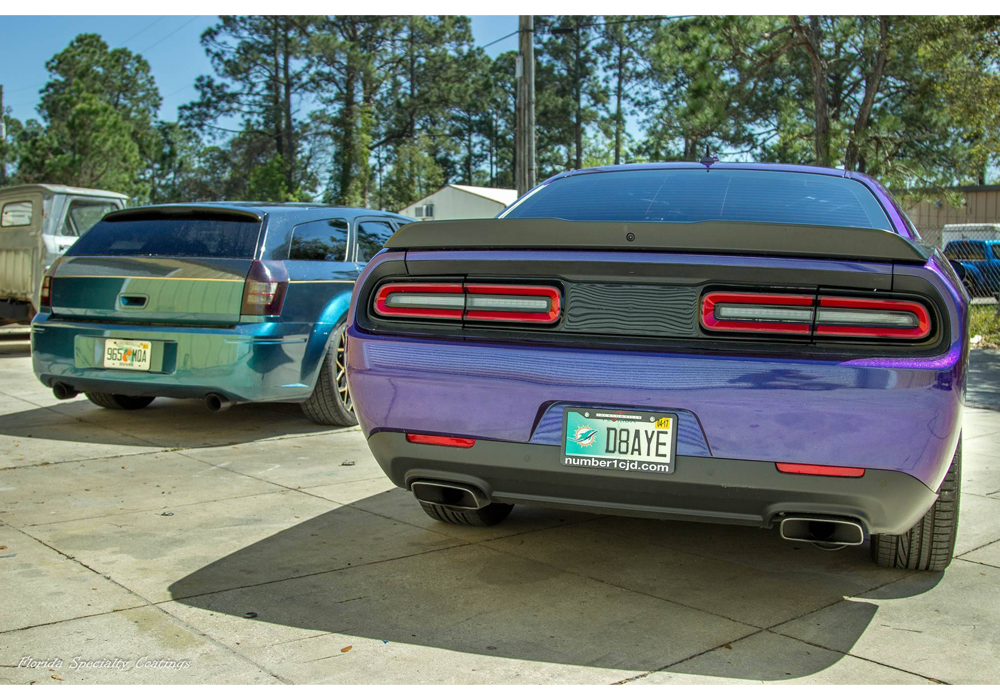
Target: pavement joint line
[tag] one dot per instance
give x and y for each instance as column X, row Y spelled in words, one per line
column 693, row 656
column 87, row 459
column 313, row 573
column 977, row 548
column 177, row 620
column 74, row 619
column 979, row 563
column 147, row 510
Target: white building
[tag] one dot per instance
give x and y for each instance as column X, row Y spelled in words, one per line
column 461, row 202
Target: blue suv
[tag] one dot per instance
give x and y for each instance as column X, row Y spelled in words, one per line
column 223, row 302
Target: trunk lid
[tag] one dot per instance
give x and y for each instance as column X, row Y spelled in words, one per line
column 174, row 267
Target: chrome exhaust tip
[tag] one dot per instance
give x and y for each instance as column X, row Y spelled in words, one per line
column 216, row 403
column 441, row 493
column 63, row 391
column 823, row 530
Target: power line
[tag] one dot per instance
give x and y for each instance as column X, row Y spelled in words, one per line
column 121, row 45
column 168, row 35
column 505, row 36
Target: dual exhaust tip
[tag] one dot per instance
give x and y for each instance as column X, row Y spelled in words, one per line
column 823, row 531
column 442, row 493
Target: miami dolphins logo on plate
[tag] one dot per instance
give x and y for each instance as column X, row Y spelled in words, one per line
column 584, row 436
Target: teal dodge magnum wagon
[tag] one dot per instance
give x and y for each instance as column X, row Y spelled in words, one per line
column 226, row 303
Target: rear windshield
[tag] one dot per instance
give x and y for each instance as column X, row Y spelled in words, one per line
column 174, row 238
column 706, row 195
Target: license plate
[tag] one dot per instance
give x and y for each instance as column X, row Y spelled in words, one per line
column 619, row 440
column 127, row 354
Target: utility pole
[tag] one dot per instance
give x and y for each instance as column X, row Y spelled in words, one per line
column 524, row 137
column 3, row 142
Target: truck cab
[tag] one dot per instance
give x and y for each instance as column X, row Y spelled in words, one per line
column 38, row 223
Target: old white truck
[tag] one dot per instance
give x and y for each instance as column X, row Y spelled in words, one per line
column 38, row 223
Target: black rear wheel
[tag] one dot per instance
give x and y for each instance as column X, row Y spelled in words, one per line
column 481, row 517
column 930, row 544
column 119, row 402
column 330, row 403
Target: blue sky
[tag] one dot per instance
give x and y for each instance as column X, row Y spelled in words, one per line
column 170, row 44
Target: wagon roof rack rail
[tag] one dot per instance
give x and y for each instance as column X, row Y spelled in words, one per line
column 732, row 237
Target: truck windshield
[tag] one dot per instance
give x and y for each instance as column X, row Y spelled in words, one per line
column 171, row 237
column 706, row 195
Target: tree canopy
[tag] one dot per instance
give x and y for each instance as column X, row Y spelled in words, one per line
column 380, row 111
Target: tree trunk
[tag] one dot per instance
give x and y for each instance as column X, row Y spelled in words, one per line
column 873, row 80
column 288, row 127
column 619, row 87
column 812, row 38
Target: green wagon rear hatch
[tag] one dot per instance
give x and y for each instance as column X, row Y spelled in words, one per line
column 161, row 266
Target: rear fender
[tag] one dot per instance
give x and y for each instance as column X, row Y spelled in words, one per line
column 318, row 344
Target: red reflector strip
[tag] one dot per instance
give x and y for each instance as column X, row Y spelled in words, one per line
column 769, row 304
column 819, row 470
column 518, row 302
column 867, row 324
column 442, row 440
column 384, row 306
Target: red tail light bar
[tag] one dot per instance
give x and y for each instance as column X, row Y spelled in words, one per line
column 516, row 303
column 805, row 315
column 45, row 296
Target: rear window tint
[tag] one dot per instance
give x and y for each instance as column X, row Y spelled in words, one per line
column 706, row 195
column 174, row 238
column 320, row 240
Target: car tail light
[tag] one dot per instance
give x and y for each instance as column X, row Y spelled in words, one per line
column 819, row 470
column 441, row 440
column 750, row 312
column 421, row 300
column 872, row 318
column 45, row 295
column 508, row 302
column 264, row 290
column 471, row 302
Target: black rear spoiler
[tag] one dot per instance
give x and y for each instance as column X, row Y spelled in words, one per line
column 729, row 237
column 206, row 212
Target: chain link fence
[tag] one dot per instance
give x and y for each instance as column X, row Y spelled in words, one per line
column 977, row 248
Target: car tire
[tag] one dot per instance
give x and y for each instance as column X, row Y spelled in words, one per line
column 330, row 402
column 119, row 402
column 481, row 517
column 930, row 544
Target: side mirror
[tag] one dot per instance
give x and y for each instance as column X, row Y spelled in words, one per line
column 959, row 269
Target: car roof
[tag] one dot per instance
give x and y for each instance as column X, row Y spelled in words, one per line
column 778, row 167
column 62, row 189
column 299, row 211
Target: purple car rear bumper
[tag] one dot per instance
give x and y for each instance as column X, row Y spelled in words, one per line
column 899, row 415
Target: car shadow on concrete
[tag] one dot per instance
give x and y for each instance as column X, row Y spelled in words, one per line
column 167, row 423
column 486, row 600
column 984, row 379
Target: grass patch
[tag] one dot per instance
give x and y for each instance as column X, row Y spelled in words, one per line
column 984, row 320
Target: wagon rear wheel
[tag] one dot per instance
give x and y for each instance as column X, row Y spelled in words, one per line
column 330, row 403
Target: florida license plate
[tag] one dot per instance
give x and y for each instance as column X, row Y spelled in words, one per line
column 619, row 440
column 127, row 354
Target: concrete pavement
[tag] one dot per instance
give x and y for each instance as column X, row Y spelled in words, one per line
column 253, row 547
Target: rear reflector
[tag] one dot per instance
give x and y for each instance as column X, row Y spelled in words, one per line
column 872, row 318
column 819, row 470
column 441, row 440
column 471, row 302
column 749, row 312
column 264, row 290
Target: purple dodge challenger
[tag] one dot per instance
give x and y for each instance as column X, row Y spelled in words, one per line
column 766, row 345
